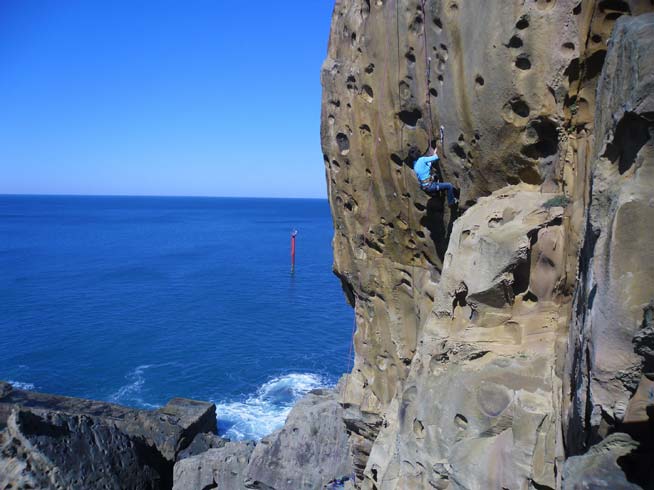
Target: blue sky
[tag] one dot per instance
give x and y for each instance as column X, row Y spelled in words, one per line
column 193, row 97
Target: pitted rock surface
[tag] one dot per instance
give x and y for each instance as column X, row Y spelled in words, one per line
column 497, row 339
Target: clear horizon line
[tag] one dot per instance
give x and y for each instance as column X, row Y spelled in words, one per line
column 26, row 194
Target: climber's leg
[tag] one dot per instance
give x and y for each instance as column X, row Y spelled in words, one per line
column 441, row 186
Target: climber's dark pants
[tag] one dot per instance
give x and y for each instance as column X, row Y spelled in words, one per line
column 434, row 187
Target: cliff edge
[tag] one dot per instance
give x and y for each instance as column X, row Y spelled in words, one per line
column 504, row 343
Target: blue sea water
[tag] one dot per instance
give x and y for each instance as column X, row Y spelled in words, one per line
column 136, row 300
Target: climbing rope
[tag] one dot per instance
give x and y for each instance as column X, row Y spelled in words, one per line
column 428, row 72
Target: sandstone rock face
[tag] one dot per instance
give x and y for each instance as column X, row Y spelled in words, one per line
column 497, row 340
column 58, row 442
column 478, row 408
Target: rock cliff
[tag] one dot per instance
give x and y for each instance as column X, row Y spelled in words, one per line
column 506, row 343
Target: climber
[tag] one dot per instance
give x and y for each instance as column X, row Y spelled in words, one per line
column 422, row 166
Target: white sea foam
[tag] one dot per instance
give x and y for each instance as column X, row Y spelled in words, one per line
column 21, row 386
column 131, row 393
column 267, row 409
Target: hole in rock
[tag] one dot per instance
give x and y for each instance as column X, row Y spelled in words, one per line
column 569, row 46
column 458, row 151
column 438, row 23
column 410, row 117
column 521, row 275
column 515, row 42
column 374, row 245
column 495, row 221
column 409, row 55
column 367, row 90
column 523, row 23
column 519, row 106
column 596, row 38
column 546, row 136
column 433, row 92
column 522, row 62
column 418, row 428
column 343, row 143
column 460, row 299
column 577, row 9
column 479, row 80
column 370, row 68
column 416, row 24
column 364, row 129
column 460, row 421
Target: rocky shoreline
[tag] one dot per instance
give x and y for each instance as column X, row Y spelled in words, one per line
column 56, row 442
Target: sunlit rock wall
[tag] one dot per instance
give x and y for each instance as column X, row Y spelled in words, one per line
column 464, row 376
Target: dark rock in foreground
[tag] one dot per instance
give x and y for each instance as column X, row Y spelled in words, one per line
column 49, row 441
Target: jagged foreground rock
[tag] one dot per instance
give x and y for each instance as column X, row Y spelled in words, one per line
column 54, row 442
column 507, row 344
column 311, row 451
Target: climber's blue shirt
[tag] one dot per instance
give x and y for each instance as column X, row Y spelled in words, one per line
column 422, row 167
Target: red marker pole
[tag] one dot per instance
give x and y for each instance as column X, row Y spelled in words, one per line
column 293, row 235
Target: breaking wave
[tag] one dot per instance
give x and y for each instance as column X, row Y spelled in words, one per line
column 266, row 410
column 22, row 386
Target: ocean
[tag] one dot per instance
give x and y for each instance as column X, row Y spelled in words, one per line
column 135, row 300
